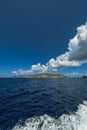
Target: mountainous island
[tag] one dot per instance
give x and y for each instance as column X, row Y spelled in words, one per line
column 43, row 75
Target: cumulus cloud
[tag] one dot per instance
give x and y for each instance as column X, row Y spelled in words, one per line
column 38, row 68
column 75, row 56
column 77, row 51
column 78, row 45
column 62, row 61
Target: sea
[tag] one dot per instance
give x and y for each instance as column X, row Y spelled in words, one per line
column 43, row 104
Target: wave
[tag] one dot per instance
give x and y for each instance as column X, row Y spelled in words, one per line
column 73, row 121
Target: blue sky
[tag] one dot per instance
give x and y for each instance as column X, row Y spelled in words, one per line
column 33, row 32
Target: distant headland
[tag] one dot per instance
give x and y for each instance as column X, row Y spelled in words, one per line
column 84, row 76
column 43, row 75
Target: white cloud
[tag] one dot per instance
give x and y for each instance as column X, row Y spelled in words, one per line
column 75, row 74
column 14, row 72
column 78, row 45
column 39, row 68
column 75, row 56
column 62, row 61
column 77, row 51
column 20, row 72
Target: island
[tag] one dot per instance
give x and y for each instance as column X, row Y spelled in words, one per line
column 43, row 75
column 84, row 76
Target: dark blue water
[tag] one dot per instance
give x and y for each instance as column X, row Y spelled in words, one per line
column 24, row 98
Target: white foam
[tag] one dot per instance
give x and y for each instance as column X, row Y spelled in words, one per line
column 74, row 121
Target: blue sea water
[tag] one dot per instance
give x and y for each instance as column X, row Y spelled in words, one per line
column 43, row 104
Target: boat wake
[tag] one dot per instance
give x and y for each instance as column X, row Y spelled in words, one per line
column 74, row 121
